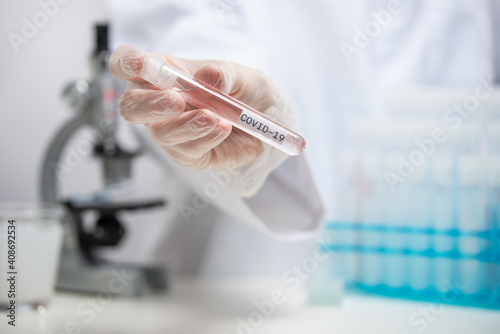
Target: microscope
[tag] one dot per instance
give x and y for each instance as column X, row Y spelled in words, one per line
column 81, row 267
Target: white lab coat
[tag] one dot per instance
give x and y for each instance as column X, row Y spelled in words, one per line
column 298, row 43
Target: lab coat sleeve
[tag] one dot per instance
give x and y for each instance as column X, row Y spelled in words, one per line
column 288, row 204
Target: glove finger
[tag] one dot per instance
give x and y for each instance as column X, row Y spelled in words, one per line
column 126, row 62
column 135, row 84
column 141, row 106
column 196, row 148
column 186, row 127
column 218, row 76
column 244, row 84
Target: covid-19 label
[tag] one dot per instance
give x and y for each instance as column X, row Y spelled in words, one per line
column 259, row 124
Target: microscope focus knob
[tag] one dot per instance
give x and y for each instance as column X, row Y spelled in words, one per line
column 108, row 230
column 76, row 94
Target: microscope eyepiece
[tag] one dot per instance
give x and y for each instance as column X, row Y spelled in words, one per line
column 102, row 38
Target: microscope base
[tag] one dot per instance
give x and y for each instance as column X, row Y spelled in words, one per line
column 109, row 278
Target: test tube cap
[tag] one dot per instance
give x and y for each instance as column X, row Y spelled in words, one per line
column 155, row 71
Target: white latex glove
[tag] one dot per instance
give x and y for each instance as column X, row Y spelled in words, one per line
column 197, row 138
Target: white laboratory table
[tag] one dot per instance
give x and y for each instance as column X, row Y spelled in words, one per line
column 202, row 306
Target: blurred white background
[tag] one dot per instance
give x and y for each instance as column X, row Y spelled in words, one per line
column 31, row 83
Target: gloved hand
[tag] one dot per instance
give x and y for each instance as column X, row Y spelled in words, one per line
column 197, row 138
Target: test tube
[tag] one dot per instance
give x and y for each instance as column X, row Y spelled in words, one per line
column 201, row 95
